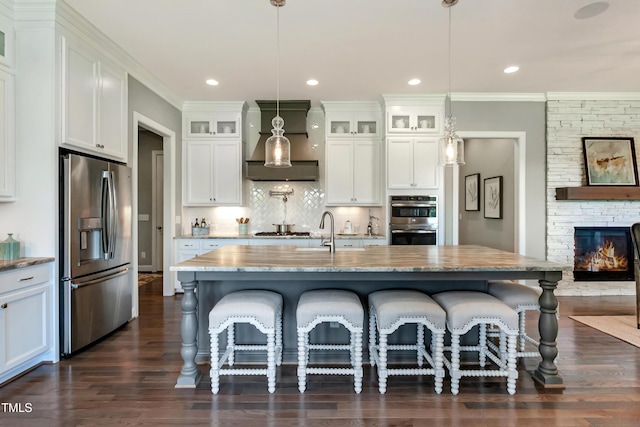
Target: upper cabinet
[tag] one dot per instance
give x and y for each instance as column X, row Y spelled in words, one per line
column 353, row 172
column 412, row 163
column 414, row 120
column 202, row 120
column 212, row 173
column 352, row 119
column 417, row 114
column 94, row 102
column 211, row 125
column 7, row 138
column 212, row 153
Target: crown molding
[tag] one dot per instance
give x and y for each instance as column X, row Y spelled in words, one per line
column 72, row 21
column 593, row 96
column 498, row 97
column 213, row 106
column 373, row 106
column 414, row 99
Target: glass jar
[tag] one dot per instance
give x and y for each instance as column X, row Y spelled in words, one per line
column 10, row 248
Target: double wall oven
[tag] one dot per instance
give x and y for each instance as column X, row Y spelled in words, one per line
column 413, row 220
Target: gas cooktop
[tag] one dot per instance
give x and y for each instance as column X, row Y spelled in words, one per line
column 287, row 234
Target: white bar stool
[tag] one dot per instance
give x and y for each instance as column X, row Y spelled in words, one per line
column 390, row 309
column 330, row 305
column 521, row 298
column 262, row 309
column 466, row 309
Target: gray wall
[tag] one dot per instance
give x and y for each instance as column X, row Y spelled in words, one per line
column 149, row 104
column 528, row 117
column 147, row 142
column 489, row 158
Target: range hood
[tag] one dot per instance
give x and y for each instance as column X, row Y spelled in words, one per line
column 304, row 165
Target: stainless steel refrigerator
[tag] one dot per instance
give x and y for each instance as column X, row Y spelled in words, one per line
column 96, row 276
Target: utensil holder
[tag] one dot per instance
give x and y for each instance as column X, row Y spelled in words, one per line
column 243, row 228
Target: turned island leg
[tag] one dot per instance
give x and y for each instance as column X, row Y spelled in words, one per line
column 189, row 374
column 547, row 371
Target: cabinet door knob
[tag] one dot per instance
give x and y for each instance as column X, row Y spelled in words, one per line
column 5, row 305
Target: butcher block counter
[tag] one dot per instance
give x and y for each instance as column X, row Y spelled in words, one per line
column 291, row 271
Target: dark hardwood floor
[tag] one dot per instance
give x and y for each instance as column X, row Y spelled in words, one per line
column 128, row 379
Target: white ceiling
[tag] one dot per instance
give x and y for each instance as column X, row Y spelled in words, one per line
column 360, row 49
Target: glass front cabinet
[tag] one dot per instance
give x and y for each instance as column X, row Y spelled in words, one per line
column 414, row 120
column 352, row 119
column 212, row 125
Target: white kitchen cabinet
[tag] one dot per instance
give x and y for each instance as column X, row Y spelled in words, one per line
column 353, row 172
column 25, row 319
column 7, row 138
column 212, row 125
column 94, row 103
column 212, row 173
column 411, row 120
column 352, row 119
column 358, row 124
column 186, row 249
column 412, row 163
column 280, row 241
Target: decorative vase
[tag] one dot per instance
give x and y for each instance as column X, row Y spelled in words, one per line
column 10, row 248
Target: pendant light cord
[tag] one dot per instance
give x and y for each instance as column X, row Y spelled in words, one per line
column 278, row 61
column 450, row 111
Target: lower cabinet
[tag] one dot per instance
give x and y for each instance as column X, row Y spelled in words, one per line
column 186, row 249
column 25, row 320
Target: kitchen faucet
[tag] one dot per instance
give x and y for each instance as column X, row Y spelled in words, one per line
column 331, row 243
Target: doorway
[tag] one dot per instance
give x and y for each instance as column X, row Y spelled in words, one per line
column 519, row 181
column 149, row 203
column 168, row 203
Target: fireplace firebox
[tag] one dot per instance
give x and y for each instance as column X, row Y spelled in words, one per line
column 603, row 254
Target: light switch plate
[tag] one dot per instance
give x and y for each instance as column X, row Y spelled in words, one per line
column 178, row 219
column 143, row 217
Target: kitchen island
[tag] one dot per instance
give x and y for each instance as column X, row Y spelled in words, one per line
column 291, row 271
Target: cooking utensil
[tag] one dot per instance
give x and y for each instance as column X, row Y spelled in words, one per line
column 284, row 228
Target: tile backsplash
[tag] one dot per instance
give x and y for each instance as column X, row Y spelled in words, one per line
column 303, row 208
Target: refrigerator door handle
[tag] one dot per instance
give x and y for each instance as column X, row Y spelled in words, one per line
column 105, row 213
column 114, row 216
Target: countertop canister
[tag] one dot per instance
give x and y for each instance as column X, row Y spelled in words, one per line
column 10, row 248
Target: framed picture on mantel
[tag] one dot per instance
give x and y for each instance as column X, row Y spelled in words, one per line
column 610, row 161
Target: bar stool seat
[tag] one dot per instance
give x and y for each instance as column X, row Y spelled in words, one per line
column 329, row 305
column 390, row 309
column 262, row 309
column 521, row 298
column 466, row 309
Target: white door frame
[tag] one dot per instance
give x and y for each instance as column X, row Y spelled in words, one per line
column 169, row 150
column 519, row 175
column 156, row 263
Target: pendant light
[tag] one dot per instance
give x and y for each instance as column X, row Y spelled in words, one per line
column 277, row 146
column 451, row 146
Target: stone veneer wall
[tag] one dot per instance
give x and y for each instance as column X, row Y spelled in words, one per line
column 567, row 122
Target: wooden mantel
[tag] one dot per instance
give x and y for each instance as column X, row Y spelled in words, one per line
column 598, row 193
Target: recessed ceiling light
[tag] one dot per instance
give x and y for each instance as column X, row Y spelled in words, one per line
column 414, row 82
column 511, row 69
column 591, row 10
column 312, row 82
column 212, row 82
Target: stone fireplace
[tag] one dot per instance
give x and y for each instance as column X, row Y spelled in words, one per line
column 603, row 254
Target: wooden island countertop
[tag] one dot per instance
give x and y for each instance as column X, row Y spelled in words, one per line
column 291, row 271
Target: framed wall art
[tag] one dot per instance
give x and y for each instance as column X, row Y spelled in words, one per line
column 472, row 192
column 493, row 197
column 610, row 161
